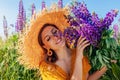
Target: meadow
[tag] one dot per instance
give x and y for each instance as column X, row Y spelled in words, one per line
column 10, row 69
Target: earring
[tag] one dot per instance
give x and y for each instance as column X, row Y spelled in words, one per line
column 49, row 53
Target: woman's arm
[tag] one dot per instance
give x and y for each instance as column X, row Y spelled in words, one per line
column 78, row 70
column 77, row 73
column 96, row 75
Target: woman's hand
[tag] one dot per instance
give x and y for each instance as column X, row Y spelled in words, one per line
column 114, row 61
column 81, row 45
column 96, row 75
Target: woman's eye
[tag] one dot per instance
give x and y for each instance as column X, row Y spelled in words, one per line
column 48, row 39
column 54, row 31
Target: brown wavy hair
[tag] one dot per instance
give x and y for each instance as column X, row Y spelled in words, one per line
column 53, row 58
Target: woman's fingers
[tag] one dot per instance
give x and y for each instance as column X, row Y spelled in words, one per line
column 83, row 45
column 86, row 45
column 104, row 68
column 81, row 40
column 84, row 42
column 114, row 61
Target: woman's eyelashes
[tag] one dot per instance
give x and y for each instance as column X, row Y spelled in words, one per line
column 54, row 31
column 48, row 38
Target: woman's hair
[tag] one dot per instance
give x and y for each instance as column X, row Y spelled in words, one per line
column 53, row 58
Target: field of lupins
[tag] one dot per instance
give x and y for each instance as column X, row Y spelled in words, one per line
column 9, row 66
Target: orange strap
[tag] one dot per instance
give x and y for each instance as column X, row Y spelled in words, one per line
column 86, row 67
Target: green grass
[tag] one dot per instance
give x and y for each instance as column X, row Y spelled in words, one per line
column 10, row 69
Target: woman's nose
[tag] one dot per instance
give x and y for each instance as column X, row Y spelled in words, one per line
column 58, row 34
column 55, row 37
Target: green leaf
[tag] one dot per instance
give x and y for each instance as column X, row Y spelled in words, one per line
column 105, row 59
column 90, row 51
column 107, row 43
column 116, row 71
column 101, row 60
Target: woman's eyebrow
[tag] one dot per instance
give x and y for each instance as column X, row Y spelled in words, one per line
column 46, row 36
column 52, row 30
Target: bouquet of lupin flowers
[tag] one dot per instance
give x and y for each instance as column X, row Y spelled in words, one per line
column 103, row 48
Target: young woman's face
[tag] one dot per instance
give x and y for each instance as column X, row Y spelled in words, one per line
column 52, row 39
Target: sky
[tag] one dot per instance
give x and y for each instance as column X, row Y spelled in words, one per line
column 9, row 9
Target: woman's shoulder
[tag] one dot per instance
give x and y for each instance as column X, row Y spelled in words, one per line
column 47, row 66
column 51, row 71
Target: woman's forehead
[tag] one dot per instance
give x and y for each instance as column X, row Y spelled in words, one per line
column 48, row 29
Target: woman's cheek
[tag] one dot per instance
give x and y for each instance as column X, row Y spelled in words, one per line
column 50, row 43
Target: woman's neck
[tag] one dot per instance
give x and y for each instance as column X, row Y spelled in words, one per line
column 63, row 53
column 64, row 59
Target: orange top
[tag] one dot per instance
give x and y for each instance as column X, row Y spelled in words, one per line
column 54, row 72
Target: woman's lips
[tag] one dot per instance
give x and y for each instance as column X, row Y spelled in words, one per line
column 58, row 41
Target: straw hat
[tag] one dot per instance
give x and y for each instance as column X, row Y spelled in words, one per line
column 31, row 53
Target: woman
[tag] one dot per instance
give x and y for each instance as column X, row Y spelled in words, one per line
column 45, row 48
column 58, row 53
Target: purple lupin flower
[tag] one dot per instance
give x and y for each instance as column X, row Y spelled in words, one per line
column 71, row 35
column 109, row 18
column 33, row 9
column 5, row 26
column 43, row 5
column 95, row 21
column 21, row 18
column 116, row 31
column 82, row 23
column 92, row 33
column 119, row 20
column 80, row 11
column 60, row 3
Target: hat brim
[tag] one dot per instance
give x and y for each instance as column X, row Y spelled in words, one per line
column 32, row 53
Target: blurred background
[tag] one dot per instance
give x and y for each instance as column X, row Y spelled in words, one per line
column 12, row 11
